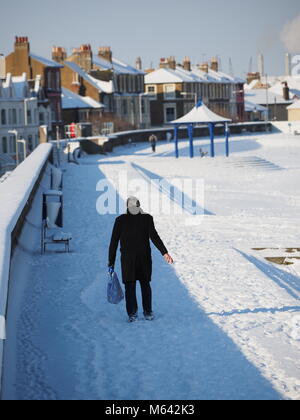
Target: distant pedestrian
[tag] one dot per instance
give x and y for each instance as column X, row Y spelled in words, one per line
column 134, row 230
column 153, row 140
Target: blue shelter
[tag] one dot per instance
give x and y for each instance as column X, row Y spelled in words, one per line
column 200, row 114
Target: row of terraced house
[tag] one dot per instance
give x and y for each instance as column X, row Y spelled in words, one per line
column 40, row 96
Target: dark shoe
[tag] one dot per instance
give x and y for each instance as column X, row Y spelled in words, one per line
column 133, row 318
column 149, row 317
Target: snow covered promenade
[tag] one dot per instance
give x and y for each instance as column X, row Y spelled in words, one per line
column 228, row 320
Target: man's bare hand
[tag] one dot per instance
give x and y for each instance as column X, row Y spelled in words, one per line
column 168, row 259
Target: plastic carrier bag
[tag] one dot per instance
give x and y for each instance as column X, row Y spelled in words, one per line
column 115, row 293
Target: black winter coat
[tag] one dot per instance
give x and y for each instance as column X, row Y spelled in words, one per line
column 134, row 233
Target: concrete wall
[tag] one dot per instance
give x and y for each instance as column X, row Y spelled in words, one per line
column 97, row 145
column 19, row 192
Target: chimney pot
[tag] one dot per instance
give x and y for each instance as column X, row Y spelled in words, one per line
column 204, row 67
column 214, row 64
column 106, row 53
column 187, row 64
column 286, row 91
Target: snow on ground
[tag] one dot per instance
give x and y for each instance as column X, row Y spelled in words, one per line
column 228, row 320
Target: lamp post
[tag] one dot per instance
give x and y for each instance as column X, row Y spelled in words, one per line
column 267, row 99
column 15, row 133
column 26, row 100
column 22, row 141
column 141, row 109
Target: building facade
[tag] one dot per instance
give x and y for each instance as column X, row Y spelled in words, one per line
column 175, row 89
column 22, row 60
column 118, row 86
column 22, row 110
column 294, row 112
column 81, row 110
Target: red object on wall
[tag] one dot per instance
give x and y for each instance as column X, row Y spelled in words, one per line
column 73, row 131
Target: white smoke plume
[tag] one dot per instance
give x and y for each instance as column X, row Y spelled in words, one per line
column 290, row 35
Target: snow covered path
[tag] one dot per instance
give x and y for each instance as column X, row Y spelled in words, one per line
column 227, row 320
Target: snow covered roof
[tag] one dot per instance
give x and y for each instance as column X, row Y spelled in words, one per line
column 14, row 87
column 117, row 66
column 180, row 75
column 168, row 76
column 228, row 78
column 251, row 106
column 200, row 114
column 295, row 105
column 252, row 84
column 106, row 87
column 293, row 85
column 45, row 61
column 259, row 97
column 20, row 86
column 17, row 87
column 71, row 100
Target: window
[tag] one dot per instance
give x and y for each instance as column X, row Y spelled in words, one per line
column 4, row 145
column 20, row 116
column 49, row 80
column 170, row 113
column 141, row 84
column 30, row 143
column 57, row 80
column 14, row 116
column 12, row 141
column 53, row 113
column 29, row 118
column 124, row 104
column 169, row 91
column 3, row 117
column 42, row 118
column 76, row 79
column 10, row 117
column 151, row 92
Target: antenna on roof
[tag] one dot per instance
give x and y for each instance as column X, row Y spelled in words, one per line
column 220, row 63
column 231, row 72
column 251, row 65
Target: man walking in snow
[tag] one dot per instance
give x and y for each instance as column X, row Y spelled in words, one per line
column 153, row 140
column 134, row 231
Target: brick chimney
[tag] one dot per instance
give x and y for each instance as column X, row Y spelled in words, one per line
column 286, row 91
column 105, row 53
column 163, row 64
column 214, row 64
column 138, row 63
column 204, row 67
column 19, row 62
column 253, row 76
column 2, row 67
column 59, row 54
column 172, row 63
column 83, row 57
column 187, row 64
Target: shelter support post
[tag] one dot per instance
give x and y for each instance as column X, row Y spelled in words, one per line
column 176, row 131
column 191, row 138
column 212, row 139
column 227, row 133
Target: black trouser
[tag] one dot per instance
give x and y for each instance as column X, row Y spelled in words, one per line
column 131, row 300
